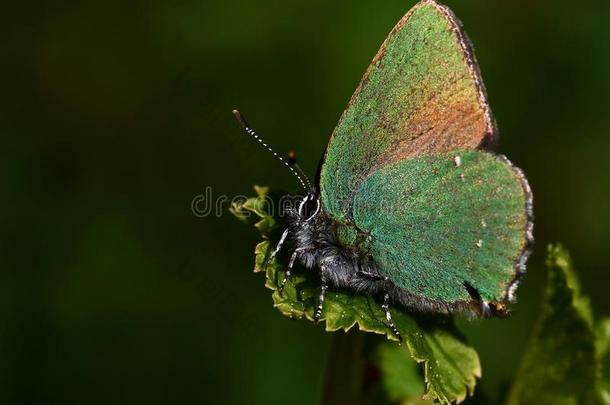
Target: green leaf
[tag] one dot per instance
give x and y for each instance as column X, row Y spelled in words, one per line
column 561, row 364
column 254, row 211
column 451, row 367
column 400, row 377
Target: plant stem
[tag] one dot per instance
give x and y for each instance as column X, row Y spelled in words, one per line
column 344, row 375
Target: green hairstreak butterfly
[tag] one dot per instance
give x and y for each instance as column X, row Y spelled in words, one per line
column 409, row 202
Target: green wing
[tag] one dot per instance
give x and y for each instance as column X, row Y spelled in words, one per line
column 435, row 225
column 421, row 94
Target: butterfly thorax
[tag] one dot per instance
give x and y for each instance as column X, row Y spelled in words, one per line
column 339, row 250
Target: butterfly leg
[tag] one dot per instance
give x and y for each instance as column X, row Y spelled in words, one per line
column 388, row 316
column 386, row 300
column 323, row 289
column 289, row 269
column 277, row 248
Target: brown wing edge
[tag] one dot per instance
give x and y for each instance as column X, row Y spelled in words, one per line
column 490, row 137
column 528, row 240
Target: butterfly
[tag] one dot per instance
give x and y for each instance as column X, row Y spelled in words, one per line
column 410, row 204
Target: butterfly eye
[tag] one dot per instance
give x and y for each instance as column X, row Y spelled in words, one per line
column 309, row 207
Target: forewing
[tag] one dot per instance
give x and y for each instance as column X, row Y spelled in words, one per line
column 440, row 222
column 421, row 94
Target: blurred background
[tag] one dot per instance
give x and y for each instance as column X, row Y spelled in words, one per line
column 114, row 115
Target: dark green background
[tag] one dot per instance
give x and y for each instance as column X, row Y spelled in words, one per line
column 114, row 115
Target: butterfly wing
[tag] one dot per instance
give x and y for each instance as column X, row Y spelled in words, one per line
column 421, row 94
column 438, row 223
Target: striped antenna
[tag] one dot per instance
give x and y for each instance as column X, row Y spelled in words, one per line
column 304, row 183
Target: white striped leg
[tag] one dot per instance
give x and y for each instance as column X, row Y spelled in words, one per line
column 277, row 248
column 323, row 289
column 289, row 270
column 388, row 316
